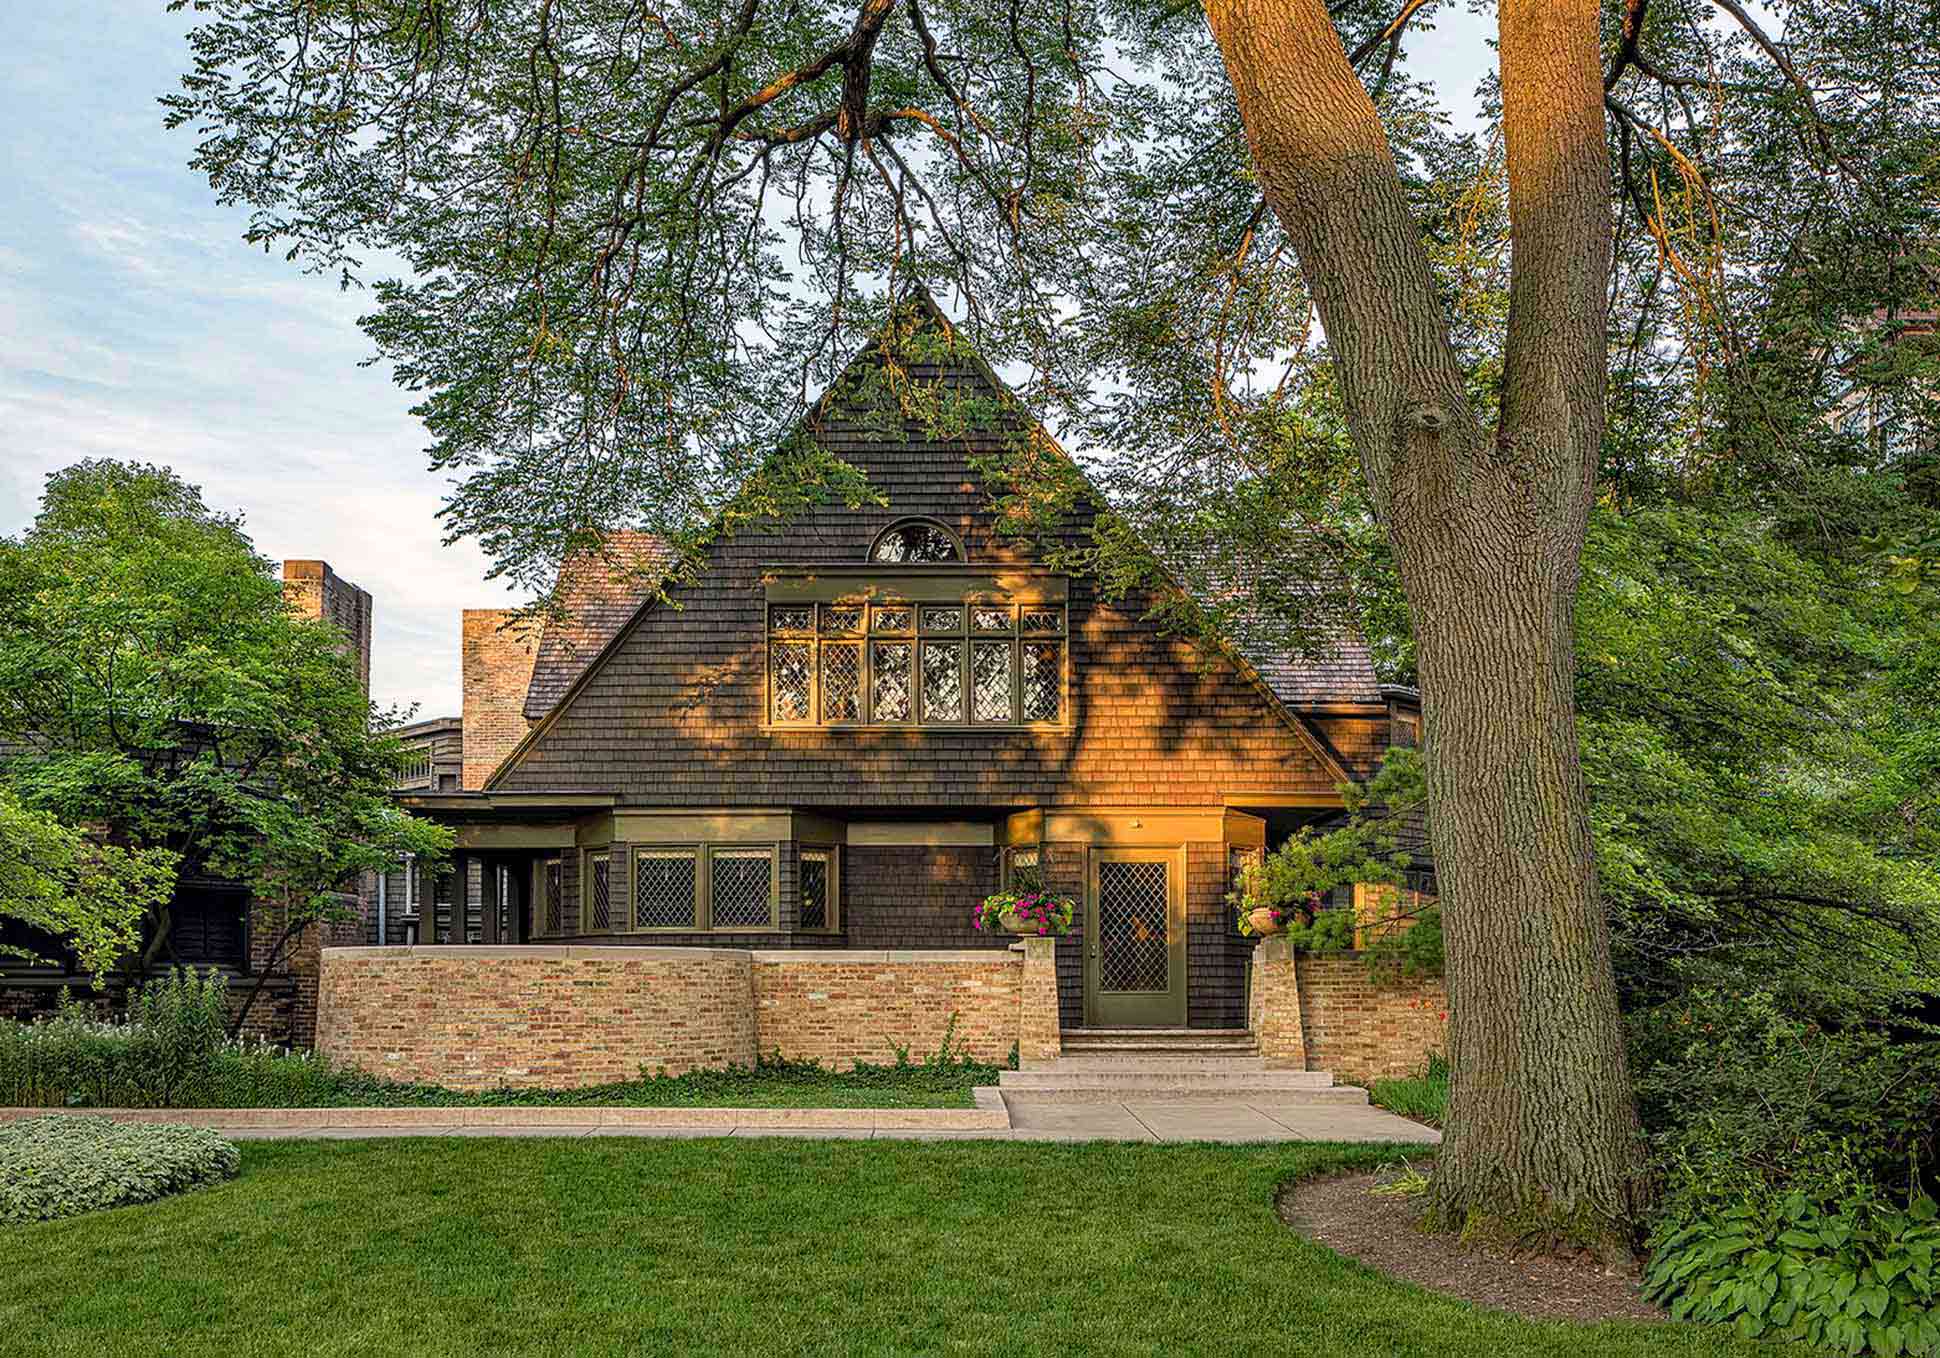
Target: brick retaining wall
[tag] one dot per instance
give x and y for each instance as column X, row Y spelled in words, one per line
column 551, row 1017
column 557, row 1017
column 842, row 1007
column 1366, row 1029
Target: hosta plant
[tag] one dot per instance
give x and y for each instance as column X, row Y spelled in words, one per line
column 1855, row 1276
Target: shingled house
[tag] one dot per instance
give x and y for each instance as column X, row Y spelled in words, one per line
column 842, row 732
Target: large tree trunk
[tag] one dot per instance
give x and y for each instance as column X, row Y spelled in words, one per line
column 1488, row 530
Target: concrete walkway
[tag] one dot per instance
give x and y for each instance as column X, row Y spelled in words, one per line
column 1030, row 1120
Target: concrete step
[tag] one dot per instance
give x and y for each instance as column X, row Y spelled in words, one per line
column 1159, row 1041
column 1156, row 1084
column 1171, row 1092
column 1157, row 1063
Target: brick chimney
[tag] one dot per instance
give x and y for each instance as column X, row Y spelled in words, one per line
column 316, row 591
column 498, row 658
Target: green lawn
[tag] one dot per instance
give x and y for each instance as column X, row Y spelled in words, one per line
column 466, row 1247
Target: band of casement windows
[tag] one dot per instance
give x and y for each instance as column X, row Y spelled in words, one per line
column 976, row 663
column 687, row 888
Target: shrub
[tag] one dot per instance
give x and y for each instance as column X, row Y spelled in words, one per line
column 60, row 1166
column 1423, row 1097
column 1725, row 1065
column 1854, row 1275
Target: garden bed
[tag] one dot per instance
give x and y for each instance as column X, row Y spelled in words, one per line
column 1383, row 1231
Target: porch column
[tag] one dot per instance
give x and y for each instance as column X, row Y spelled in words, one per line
column 1274, row 1014
column 1039, row 1036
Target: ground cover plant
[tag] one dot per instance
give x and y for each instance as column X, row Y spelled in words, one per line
column 618, row 1245
column 60, row 1166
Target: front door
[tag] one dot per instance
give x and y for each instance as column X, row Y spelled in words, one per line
column 1135, row 926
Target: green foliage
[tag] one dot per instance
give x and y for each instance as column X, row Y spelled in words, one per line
column 1853, row 1275
column 1423, row 1097
column 1763, row 758
column 53, row 1167
column 1295, row 879
column 1729, row 1078
column 1036, row 910
column 174, row 1053
column 153, row 681
column 87, row 895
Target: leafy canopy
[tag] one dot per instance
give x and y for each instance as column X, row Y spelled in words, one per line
column 154, row 682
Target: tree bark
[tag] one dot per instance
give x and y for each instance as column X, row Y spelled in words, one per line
column 1487, row 527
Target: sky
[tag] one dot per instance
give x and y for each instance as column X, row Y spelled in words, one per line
column 135, row 323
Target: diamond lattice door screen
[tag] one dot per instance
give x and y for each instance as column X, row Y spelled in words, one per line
column 1137, row 968
column 1133, row 954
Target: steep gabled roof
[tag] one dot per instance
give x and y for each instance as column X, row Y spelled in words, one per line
column 598, row 593
column 606, row 600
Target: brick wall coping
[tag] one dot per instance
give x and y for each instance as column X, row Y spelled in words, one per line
column 553, row 952
column 1000, row 956
column 540, row 952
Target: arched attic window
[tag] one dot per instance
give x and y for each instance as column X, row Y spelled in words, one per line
column 916, row 541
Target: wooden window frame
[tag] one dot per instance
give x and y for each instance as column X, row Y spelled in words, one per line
column 965, row 637
column 834, row 853
column 773, row 850
column 956, row 541
column 698, row 852
column 586, row 857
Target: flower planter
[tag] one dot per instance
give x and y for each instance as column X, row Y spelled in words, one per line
column 1017, row 924
column 1263, row 923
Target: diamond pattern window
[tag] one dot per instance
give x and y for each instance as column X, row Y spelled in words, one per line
column 663, row 889
column 818, row 888
column 916, row 542
column 743, row 888
column 599, row 892
column 922, row 664
column 942, row 681
column 990, row 681
column 552, row 896
column 788, row 675
column 890, row 702
column 1042, row 680
column 841, row 681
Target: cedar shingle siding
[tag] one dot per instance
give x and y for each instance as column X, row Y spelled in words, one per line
column 671, row 717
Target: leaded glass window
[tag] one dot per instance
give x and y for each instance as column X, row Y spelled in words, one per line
column 742, row 888
column 916, row 541
column 599, row 892
column 990, row 681
column 841, row 681
column 817, row 872
column 791, row 618
column 664, row 882
column 929, row 664
column 942, row 681
column 552, row 896
column 891, row 700
column 1042, row 680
